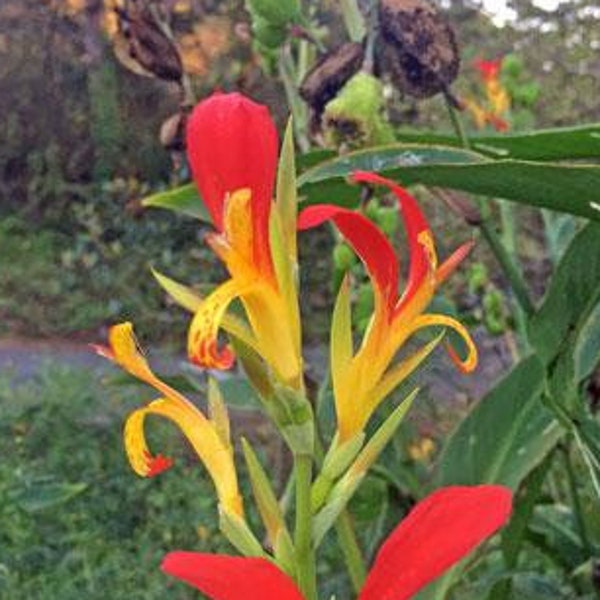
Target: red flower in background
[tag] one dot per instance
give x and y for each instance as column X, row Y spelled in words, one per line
column 489, row 69
column 438, row 532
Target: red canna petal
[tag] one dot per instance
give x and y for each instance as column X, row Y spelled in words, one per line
column 223, row 577
column 422, row 254
column 367, row 240
column 437, row 533
column 232, row 143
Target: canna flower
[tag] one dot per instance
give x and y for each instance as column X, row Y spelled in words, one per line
column 441, row 530
column 497, row 96
column 232, row 150
column 363, row 379
column 208, row 438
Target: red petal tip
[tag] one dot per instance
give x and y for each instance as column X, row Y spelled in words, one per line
column 157, row 464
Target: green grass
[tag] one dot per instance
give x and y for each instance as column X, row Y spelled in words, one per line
column 76, row 521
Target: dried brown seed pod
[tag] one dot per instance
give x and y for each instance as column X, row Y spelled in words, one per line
column 330, row 73
column 147, row 45
column 419, row 49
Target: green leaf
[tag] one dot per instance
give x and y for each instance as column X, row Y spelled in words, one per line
column 505, row 436
column 572, row 296
column 564, row 143
column 184, row 200
column 388, row 158
column 46, row 494
column 287, row 201
column 557, row 186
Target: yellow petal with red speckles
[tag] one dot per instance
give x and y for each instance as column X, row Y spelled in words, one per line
column 202, row 435
column 466, row 365
column 203, row 348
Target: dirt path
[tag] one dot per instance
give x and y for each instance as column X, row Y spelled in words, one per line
column 22, row 358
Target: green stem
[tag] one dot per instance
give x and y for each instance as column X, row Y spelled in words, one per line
column 355, row 561
column 457, row 123
column 585, row 541
column 288, row 74
column 502, row 255
column 305, row 559
column 508, row 266
column 347, row 540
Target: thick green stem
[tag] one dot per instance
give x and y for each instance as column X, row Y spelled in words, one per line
column 513, row 274
column 353, row 557
column 305, row 558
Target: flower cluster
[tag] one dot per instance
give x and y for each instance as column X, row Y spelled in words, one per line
column 251, row 196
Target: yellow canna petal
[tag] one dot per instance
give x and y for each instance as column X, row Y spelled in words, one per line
column 125, row 351
column 202, row 435
column 466, row 365
column 203, row 334
column 191, row 301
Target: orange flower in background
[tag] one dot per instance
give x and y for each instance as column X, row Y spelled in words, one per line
column 497, row 97
column 232, row 148
column 363, row 379
column 208, row 437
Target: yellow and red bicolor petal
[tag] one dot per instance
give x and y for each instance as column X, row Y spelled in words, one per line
column 191, row 301
column 124, row 350
column 222, row 577
column 203, row 348
column 216, row 455
column 404, row 330
column 368, row 241
column 441, row 530
column 423, row 258
column 221, row 132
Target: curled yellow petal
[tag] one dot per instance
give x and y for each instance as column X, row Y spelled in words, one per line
column 466, row 365
column 124, row 350
column 191, row 301
column 203, row 347
column 216, row 456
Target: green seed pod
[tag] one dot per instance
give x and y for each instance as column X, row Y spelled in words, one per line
column 266, row 33
column 387, row 219
column 275, row 12
column 355, row 115
column 343, row 257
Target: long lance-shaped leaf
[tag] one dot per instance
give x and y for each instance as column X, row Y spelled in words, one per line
column 562, row 143
column 269, row 510
column 570, row 188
